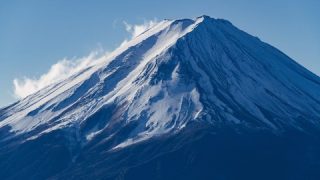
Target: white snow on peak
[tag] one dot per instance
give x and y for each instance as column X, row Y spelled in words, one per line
column 19, row 119
column 176, row 72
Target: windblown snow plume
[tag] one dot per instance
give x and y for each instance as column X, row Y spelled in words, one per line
column 66, row 67
column 136, row 29
column 59, row 71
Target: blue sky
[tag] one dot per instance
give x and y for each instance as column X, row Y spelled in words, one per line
column 36, row 34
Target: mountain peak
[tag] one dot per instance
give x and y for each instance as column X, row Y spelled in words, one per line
column 190, row 88
column 173, row 74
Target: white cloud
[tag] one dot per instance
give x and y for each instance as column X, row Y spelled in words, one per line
column 137, row 29
column 66, row 67
column 59, row 71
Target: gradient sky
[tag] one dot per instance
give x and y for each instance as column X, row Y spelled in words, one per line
column 35, row 34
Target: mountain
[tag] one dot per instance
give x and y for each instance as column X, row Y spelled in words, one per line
column 186, row 99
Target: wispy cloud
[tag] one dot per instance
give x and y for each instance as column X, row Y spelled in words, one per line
column 67, row 67
column 137, row 29
column 59, row 71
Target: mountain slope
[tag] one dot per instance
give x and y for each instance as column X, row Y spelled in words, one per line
column 176, row 84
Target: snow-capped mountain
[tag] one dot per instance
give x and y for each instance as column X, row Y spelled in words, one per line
column 174, row 81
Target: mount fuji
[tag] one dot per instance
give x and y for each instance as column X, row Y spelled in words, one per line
column 186, row 99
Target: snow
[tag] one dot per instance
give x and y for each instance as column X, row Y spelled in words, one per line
column 176, row 72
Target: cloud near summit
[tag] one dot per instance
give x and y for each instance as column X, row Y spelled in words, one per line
column 59, row 71
column 136, row 29
column 67, row 67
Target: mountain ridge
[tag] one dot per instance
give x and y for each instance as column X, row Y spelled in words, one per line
column 201, row 28
column 183, row 84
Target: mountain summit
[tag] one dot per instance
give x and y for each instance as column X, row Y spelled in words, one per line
column 186, row 99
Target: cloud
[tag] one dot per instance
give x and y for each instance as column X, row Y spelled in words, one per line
column 67, row 67
column 59, row 71
column 137, row 29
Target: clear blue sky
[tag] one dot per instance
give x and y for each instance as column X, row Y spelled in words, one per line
column 35, row 34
